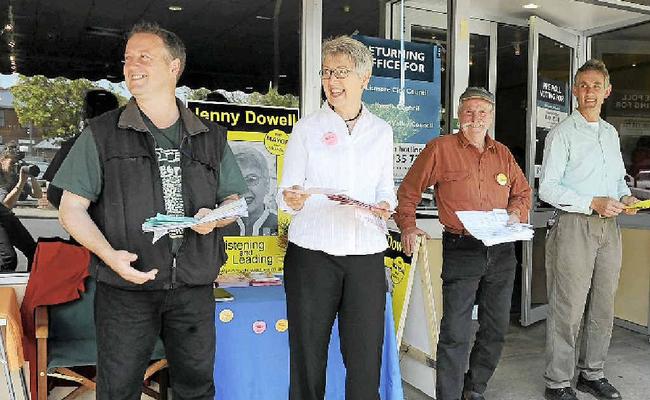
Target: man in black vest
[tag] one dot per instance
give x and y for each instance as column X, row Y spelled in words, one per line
column 152, row 156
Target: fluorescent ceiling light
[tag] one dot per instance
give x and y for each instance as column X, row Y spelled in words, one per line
column 530, row 6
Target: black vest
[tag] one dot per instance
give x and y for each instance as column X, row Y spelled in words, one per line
column 132, row 192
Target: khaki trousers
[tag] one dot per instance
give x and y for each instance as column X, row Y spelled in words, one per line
column 583, row 262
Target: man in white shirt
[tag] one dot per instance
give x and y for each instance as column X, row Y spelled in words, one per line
column 583, row 177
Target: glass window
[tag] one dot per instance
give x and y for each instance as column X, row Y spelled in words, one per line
column 479, row 60
column 437, row 37
column 362, row 17
column 512, row 86
column 243, row 56
column 626, row 54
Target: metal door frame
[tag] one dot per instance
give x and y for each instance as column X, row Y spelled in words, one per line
column 538, row 27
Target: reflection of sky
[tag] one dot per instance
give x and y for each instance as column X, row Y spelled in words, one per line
column 7, row 81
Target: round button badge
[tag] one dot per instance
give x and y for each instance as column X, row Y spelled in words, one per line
column 502, row 179
column 282, row 325
column 259, row 327
column 226, row 315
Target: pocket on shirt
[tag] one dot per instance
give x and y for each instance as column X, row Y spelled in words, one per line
column 455, row 185
column 503, row 194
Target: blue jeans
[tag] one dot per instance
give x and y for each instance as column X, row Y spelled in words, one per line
column 128, row 323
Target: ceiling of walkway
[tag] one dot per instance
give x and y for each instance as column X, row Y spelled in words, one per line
column 230, row 42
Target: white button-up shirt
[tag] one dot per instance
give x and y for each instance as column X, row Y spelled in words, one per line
column 321, row 153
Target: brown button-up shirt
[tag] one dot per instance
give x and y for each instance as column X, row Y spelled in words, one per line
column 464, row 179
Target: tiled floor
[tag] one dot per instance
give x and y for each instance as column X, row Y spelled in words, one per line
column 519, row 374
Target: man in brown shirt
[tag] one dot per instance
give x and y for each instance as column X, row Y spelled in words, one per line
column 470, row 171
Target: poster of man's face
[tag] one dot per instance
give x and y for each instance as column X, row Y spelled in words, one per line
column 259, row 170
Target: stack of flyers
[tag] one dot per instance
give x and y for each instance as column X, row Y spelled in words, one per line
column 221, row 295
column 367, row 218
column 315, row 190
column 162, row 224
column 233, row 280
column 264, row 279
column 641, row 205
column 346, row 200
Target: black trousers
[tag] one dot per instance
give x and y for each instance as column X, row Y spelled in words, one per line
column 14, row 234
column 470, row 269
column 129, row 322
column 318, row 286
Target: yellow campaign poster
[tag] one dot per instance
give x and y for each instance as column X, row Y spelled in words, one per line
column 258, row 137
column 400, row 271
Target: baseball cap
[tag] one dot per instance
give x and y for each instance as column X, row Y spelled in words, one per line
column 474, row 92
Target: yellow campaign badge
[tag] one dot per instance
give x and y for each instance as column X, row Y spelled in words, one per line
column 502, row 179
column 226, row 315
column 281, row 325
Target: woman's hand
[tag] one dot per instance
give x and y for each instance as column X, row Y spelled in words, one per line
column 382, row 210
column 295, row 197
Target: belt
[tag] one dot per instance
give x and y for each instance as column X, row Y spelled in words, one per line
column 593, row 214
column 457, row 232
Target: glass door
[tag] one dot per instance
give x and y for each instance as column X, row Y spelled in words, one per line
column 429, row 25
column 552, row 59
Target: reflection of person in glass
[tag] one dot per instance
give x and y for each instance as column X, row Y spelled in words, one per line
column 334, row 263
column 261, row 220
column 14, row 185
column 640, row 157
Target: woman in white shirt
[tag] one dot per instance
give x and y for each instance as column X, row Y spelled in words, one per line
column 335, row 257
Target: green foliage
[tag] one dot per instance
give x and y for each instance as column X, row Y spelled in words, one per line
column 273, row 98
column 121, row 100
column 199, row 94
column 398, row 117
column 55, row 105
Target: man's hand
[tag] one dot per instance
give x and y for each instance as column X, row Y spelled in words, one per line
column 294, row 198
column 204, row 229
column 23, row 177
column 382, row 210
column 120, row 262
column 606, row 206
column 513, row 218
column 409, row 236
column 37, row 192
column 628, row 201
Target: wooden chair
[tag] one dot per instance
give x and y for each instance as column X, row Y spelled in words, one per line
column 65, row 338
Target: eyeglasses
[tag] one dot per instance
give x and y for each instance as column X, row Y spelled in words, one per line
column 252, row 180
column 339, row 73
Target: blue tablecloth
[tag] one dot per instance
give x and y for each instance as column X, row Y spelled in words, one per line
column 252, row 366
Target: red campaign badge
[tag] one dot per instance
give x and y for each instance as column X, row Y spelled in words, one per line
column 259, row 327
column 330, row 139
